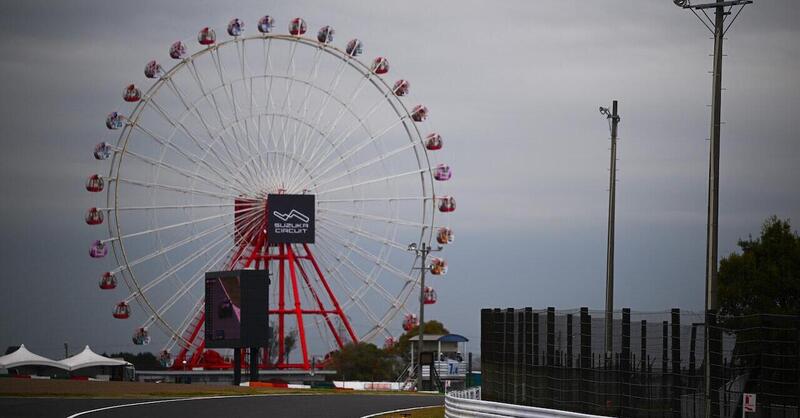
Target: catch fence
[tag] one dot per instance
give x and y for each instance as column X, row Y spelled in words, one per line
column 556, row 359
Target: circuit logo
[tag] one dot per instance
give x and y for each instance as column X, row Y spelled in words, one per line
column 293, row 214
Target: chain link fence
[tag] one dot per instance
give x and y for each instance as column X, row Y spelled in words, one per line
column 556, row 359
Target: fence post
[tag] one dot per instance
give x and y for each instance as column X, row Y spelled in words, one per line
column 499, row 357
column 625, row 362
column 519, row 359
column 486, row 349
column 528, row 357
column 508, row 350
column 551, row 355
column 664, row 359
column 676, row 363
column 569, row 340
column 586, row 354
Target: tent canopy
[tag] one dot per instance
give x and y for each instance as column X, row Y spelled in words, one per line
column 23, row 357
column 88, row 358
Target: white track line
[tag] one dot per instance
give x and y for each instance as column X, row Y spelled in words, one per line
column 399, row 410
column 91, row 411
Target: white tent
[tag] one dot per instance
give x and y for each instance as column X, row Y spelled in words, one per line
column 23, row 357
column 88, row 358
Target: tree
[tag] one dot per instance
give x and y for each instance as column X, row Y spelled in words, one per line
column 289, row 343
column 141, row 361
column 765, row 277
column 365, row 362
column 403, row 346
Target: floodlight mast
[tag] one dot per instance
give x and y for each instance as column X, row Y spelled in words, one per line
column 718, row 28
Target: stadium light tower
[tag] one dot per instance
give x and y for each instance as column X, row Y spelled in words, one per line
column 613, row 120
column 718, row 27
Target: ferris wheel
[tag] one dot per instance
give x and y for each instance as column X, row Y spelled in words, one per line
column 231, row 121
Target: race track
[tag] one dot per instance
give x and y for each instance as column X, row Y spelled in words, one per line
column 332, row 406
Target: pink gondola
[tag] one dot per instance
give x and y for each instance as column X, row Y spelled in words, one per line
column 115, row 121
column 177, row 50
column 265, row 24
column 354, row 48
column 380, row 65
column 165, row 358
column 297, row 26
column 131, row 94
column 153, row 70
column 98, row 250
column 141, row 336
column 95, row 183
column 401, row 88
column 235, row 27
column 94, row 216
column 433, row 141
column 447, row 204
column 325, row 34
column 108, row 281
column 122, row 310
column 419, row 113
column 442, row 172
column 102, row 151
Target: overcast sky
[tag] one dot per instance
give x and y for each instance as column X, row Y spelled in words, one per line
column 513, row 86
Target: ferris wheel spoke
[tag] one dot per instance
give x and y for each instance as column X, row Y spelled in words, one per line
column 311, row 80
column 182, row 172
column 373, row 181
column 160, row 207
column 174, row 188
column 378, row 159
column 367, row 255
column 188, row 156
column 143, row 289
column 362, row 233
column 171, row 247
column 177, row 338
column 166, row 227
column 384, row 219
column 373, row 199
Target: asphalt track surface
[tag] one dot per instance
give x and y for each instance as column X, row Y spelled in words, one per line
column 324, row 406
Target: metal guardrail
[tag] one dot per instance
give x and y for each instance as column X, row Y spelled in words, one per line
column 467, row 404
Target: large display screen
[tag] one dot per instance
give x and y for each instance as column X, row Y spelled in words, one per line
column 236, row 309
column 290, row 219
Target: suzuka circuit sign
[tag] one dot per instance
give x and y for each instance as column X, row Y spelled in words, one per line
column 290, row 219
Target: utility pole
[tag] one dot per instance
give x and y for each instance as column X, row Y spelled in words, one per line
column 422, row 252
column 717, row 26
column 614, row 119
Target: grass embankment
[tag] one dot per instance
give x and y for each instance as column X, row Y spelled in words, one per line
column 432, row 412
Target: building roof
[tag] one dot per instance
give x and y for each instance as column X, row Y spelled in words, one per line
column 88, row 358
column 448, row 338
column 23, row 357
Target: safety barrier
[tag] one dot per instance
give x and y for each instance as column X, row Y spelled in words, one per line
column 467, row 404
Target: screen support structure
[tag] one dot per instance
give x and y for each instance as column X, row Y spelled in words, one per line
column 297, row 270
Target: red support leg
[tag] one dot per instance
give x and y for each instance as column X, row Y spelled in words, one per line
column 281, row 303
column 298, row 308
column 321, row 307
column 330, row 294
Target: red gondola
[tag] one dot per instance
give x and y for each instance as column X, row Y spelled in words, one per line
column 108, row 281
column 438, row 266
column 380, row 65
column 325, row 34
column 177, row 50
column 447, row 204
column 297, row 26
column 207, row 36
column 388, row 343
column 442, row 172
column 95, row 183
column 122, row 310
column 429, row 296
column 131, row 94
column 419, row 113
column 433, row 141
column 401, row 88
column 94, row 216
column 410, row 321
column 354, row 48
column 445, row 236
